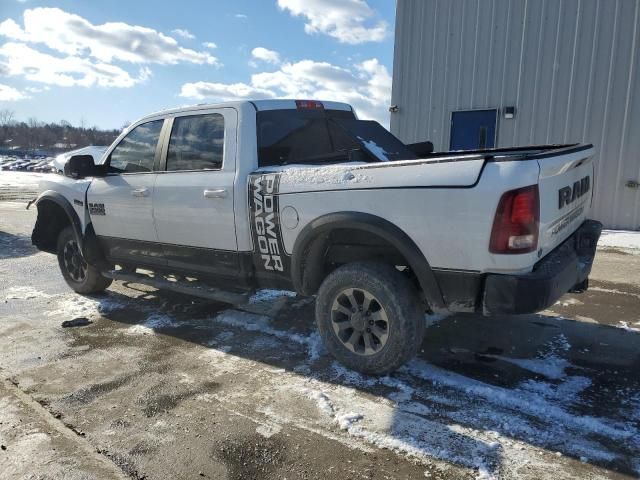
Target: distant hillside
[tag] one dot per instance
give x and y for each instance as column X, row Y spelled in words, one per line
column 50, row 137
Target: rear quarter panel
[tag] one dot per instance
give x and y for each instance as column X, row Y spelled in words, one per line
column 450, row 224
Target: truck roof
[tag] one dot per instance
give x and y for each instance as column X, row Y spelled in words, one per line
column 259, row 105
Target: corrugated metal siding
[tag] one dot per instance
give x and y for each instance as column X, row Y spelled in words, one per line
column 570, row 67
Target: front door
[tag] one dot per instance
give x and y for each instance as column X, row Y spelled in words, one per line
column 193, row 203
column 121, row 204
column 473, row 129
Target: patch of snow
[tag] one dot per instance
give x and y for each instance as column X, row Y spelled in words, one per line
column 21, row 179
column 622, row 239
column 261, row 323
column 153, row 322
column 268, row 295
column 158, row 320
column 268, row 430
column 517, row 400
column 73, row 305
column 316, row 346
column 569, row 301
column 376, row 149
column 550, row 366
column 627, row 327
column 337, row 174
column 139, row 330
column 321, row 400
column 347, row 420
column 24, row 293
column 549, row 363
column 613, row 290
column 566, row 392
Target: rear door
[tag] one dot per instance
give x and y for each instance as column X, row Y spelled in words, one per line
column 193, row 205
column 121, row 204
column 566, row 186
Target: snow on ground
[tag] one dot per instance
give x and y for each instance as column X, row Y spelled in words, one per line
column 626, row 326
column 24, row 293
column 423, row 411
column 21, row 179
column 71, row 305
column 268, row 295
column 622, row 239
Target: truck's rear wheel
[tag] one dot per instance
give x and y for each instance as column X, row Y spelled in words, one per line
column 370, row 317
column 79, row 275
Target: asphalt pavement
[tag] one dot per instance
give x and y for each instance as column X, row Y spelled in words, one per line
column 156, row 385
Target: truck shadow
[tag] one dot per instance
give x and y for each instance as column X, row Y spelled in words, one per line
column 480, row 391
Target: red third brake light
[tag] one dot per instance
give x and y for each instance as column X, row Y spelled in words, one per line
column 516, row 224
column 309, row 105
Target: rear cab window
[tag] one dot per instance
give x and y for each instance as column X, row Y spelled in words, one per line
column 319, row 136
column 297, row 136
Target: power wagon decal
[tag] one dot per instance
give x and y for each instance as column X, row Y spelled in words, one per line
column 268, row 247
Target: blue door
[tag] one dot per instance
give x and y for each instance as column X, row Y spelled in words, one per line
column 473, row 129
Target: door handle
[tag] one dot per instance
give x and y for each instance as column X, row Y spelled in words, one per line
column 140, row 192
column 217, row 193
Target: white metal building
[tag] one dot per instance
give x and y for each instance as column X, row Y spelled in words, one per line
column 483, row 73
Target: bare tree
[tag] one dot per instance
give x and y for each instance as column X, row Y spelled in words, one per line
column 6, row 117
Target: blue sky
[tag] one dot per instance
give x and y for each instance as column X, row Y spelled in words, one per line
column 109, row 62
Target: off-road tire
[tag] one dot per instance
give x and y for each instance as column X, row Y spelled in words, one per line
column 80, row 276
column 400, row 302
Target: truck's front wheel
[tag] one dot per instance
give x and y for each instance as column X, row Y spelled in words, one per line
column 370, row 317
column 79, row 275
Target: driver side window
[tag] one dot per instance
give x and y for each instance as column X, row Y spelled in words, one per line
column 136, row 152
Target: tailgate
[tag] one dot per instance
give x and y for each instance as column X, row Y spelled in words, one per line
column 566, row 185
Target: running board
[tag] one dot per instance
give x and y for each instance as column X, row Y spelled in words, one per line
column 197, row 289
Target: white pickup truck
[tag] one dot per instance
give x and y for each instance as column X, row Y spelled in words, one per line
column 220, row 200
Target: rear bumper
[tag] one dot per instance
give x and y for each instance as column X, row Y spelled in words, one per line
column 560, row 271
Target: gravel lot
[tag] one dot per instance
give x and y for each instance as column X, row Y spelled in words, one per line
column 157, row 385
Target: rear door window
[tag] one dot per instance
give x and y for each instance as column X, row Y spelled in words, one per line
column 196, row 143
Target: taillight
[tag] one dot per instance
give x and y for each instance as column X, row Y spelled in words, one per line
column 516, row 224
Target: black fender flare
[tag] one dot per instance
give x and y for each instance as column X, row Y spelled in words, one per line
column 322, row 226
column 62, row 202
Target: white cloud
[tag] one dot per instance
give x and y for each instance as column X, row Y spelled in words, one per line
column 209, row 45
column 184, row 33
column 73, row 35
column 37, row 89
column 241, row 16
column 266, row 55
column 367, row 87
column 10, row 94
column 20, row 59
column 223, row 91
column 349, row 21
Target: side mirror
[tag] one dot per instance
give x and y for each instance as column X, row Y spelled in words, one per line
column 81, row 166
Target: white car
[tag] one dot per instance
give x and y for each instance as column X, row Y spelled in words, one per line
column 302, row 195
column 97, row 152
